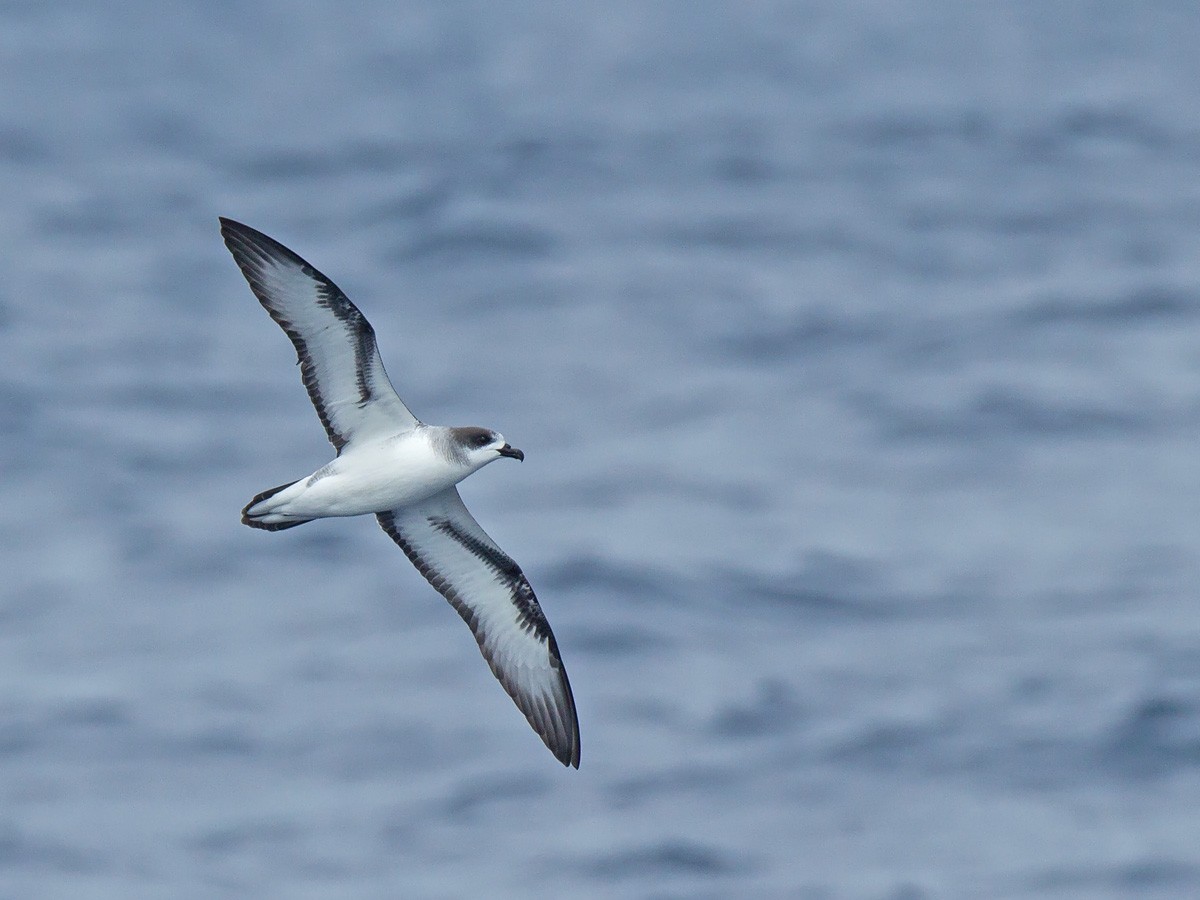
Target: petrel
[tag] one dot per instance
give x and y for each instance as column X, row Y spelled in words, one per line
column 391, row 465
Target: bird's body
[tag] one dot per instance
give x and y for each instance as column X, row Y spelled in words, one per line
column 392, row 465
column 369, row 478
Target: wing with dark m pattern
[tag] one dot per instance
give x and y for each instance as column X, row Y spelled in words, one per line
column 490, row 592
column 334, row 342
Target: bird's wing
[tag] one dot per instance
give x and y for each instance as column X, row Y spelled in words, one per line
column 490, row 592
column 334, row 342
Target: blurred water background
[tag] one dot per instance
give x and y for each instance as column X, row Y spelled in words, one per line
column 855, row 350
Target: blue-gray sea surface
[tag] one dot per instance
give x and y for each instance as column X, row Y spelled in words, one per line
column 855, row 351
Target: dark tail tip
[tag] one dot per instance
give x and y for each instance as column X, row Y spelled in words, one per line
column 271, row 526
column 253, row 522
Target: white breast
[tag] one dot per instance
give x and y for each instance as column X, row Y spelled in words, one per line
column 377, row 476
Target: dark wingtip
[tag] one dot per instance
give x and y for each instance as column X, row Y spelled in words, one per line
column 568, row 756
column 245, row 243
column 574, row 759
column 573, row 755
column 228, row 225
column 567, row 752
column 234, row 233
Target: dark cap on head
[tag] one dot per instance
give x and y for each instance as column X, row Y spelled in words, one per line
column 472, row 437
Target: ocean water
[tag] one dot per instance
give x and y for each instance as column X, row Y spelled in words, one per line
column 855, row 351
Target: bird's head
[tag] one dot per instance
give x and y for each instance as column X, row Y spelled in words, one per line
column 480, row 446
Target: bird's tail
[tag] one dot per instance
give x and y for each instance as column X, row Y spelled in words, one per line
column 259, row 518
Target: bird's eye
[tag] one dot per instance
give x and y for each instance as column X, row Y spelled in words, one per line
column 483, row 440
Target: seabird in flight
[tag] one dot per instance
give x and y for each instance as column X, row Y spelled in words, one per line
column 391, row 465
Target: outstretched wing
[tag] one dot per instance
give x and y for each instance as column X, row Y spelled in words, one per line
column 334, row 342
column 490, row 592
